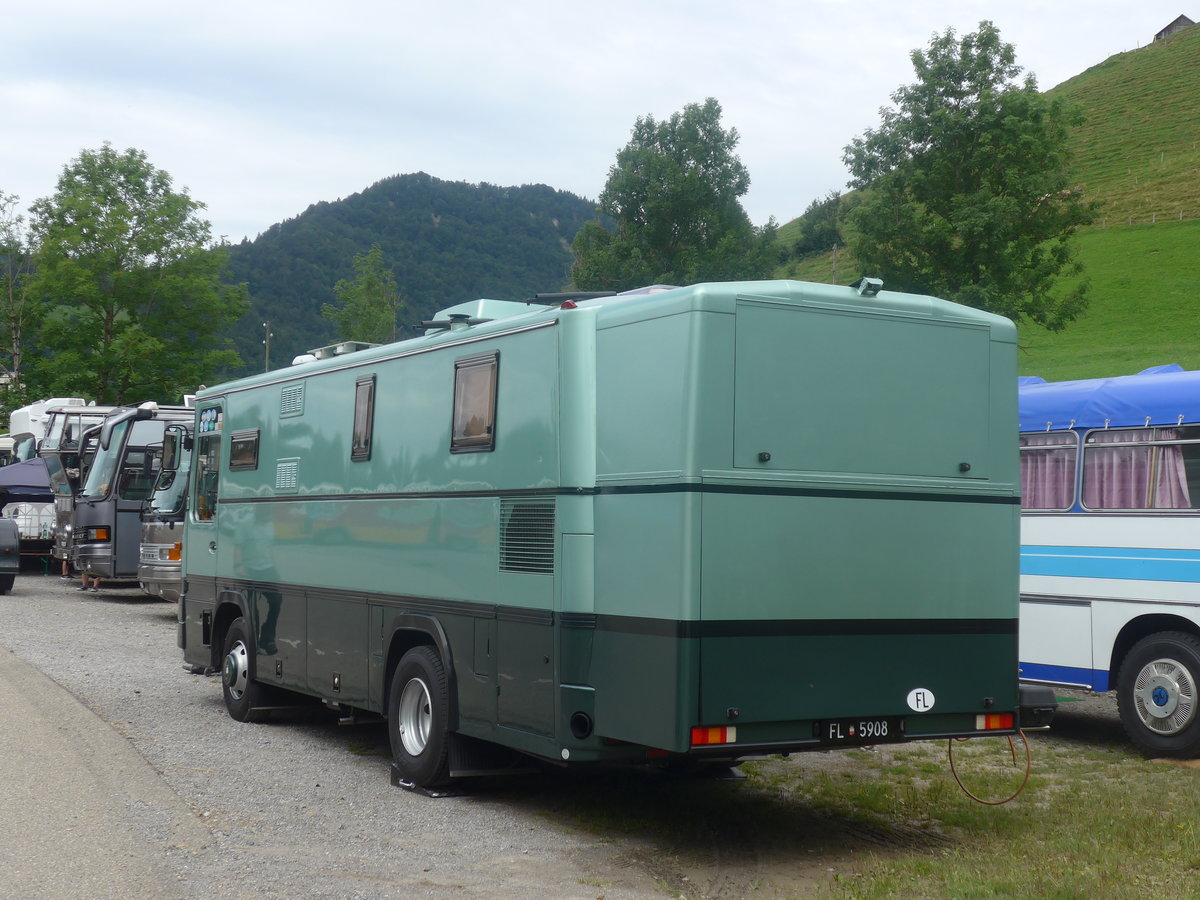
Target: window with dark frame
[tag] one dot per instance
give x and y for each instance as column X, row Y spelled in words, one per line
column 208, row 474
column 364, row 418
column 474, row 422
column 243, row 450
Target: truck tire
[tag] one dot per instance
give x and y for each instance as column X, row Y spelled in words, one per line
column 1158, row 694
column 418, row 716
column 242, row 694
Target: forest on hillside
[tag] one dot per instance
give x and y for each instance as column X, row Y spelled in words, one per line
column 445, row 242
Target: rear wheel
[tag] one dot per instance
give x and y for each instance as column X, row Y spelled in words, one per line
column 418, row 718
column 242, row 694
column 1159, row 694
column 6, row 583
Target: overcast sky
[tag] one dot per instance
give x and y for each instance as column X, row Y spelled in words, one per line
column 262, row 107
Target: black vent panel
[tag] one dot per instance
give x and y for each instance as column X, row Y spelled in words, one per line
column 527, row 536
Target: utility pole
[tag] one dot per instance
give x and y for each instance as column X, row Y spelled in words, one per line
column 267, row 347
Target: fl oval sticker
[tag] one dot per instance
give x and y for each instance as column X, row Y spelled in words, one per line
column 920, row 700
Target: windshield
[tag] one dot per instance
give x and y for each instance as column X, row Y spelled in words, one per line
column 104, row 467
column 25, row 449
column 170, row 494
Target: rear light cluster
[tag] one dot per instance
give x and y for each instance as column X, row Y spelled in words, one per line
column 994, row 722
column 707, row 737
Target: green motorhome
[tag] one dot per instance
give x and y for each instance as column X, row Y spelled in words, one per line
column 697, row 523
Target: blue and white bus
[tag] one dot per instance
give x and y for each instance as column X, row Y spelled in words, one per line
column 1110, row 555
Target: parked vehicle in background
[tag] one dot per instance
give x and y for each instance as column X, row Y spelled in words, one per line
column 33, row 508
column 1110, row 556
column 67, row 449
column 107, row 529
column 160, row 568
column 677, row 525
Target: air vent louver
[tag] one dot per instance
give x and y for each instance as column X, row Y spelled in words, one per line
column 291, row 400
column 527, row 536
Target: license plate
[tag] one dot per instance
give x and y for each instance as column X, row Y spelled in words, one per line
column 860, row 731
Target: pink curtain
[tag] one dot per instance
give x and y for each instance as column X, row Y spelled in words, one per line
column 1047, row 475
column 1170, row 483
column 1119, row 476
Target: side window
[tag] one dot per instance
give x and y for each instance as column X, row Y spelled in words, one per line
column 1141, row 468
column 137, row 475
column 243, row 450
column 474, row 423
column 208, row 474
column 364, row 418
column 1048, row 470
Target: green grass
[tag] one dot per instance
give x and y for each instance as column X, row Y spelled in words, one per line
column 1144, row 311
column 1091, row 823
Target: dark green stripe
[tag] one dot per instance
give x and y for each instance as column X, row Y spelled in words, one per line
column 673, row 488
column 801, row 627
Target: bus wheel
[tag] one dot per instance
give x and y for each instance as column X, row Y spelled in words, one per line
column 241, row 694
column 418, row 713
column 1158, row 694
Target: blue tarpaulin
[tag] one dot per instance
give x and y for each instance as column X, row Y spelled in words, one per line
column 1157, row 396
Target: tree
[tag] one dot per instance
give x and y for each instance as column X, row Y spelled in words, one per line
column 133, row 282
column 672, row 197
column 820, row 225
column 368, row 305
column 965, row 186
column 19, row 312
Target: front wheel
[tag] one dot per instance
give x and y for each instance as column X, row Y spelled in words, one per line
column 418, row 718
column 1158, row 695
column 242, row 694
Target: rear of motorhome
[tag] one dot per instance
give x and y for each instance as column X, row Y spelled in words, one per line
column 687, row 524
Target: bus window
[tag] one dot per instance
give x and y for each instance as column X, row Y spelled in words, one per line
column 364, row 418
column 1141, row 468
column 137, row 476
column 1048, row 470
column 208, row 469
column 475, row 404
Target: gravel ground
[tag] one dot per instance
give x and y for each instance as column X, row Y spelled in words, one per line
column 300, row 806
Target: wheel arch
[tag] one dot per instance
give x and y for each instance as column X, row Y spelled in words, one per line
column 230, row 605
column 1144, row 626
column 411, row 630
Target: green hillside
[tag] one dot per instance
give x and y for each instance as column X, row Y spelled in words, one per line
column 444, row 241
column 1138, row 153
column 1138, row 149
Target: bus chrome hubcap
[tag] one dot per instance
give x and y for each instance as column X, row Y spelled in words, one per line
column 416, row 716
column 236, row 671
column 1165, row 695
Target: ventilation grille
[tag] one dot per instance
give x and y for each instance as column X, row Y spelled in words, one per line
column 527, row 536
column 291, row 400
column 287, row 475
